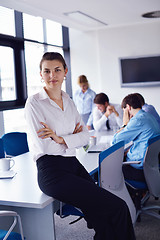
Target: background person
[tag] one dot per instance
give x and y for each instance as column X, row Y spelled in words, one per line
column 106, row 115
column 56, row 130
column 83, row 99
column 149, row 108
column 138, row 127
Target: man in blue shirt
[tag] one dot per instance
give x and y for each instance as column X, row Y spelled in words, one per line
column 138, row 127
column 149, row 108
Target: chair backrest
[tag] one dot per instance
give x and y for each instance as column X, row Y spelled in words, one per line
column 111, row 159
column 15, row 143
column 111, row 175
column 2, row 155
column 151, row 166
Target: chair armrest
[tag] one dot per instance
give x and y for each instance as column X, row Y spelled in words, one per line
column 127, row 146
column 131, row 162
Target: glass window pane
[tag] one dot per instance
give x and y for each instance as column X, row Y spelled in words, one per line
column 7, row 22
column 7, row 74
column 14, row 120
column 54, row 32
column 33, row 55
column 33, row 27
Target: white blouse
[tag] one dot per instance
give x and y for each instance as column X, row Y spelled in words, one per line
column 40, row 108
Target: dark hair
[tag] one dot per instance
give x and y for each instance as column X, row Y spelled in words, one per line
column 52, row 56
column 141, row 98
column 132, row 100
column 101, row 98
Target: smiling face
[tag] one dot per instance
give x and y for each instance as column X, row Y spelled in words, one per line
column 53, row 73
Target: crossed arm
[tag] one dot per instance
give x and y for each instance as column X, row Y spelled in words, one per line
column 46, row 132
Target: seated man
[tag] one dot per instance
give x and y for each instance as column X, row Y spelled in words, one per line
column 138, row 127
column 105, row 115
column 149, row 108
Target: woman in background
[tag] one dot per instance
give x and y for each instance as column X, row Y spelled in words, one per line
column 84, row 100
column 56, row 130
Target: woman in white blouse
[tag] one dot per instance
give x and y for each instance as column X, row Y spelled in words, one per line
column 56, row 129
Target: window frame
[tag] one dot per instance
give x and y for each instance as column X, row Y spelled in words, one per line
column 20, row 73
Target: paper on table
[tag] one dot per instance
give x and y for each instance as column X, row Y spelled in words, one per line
column 106, row 139
column 96, row 148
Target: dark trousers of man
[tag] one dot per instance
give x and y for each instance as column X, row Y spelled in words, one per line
column 65, row 179
column 132, row 173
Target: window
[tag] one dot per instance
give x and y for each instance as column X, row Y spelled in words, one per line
column 14, row 120
column 33, row 27
column 7, row 21
column 32, row 66
column 54, row 33
column 7, row 74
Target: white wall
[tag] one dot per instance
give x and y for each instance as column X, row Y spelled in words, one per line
column 97, row 54
column 84, row 58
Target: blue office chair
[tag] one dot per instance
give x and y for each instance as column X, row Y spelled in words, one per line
column 8, row 234
column 141, row 191
column 2, row 155
column 110, row 175
column 15, row 143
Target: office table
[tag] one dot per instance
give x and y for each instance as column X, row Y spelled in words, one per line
column 22, row 194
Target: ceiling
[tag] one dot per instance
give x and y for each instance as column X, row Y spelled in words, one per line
column 112, row 13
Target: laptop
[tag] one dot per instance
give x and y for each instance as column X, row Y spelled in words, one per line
column 97, row 148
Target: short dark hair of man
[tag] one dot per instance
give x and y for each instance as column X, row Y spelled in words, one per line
column 101, row 98
column 132, row 100
column 141, row 98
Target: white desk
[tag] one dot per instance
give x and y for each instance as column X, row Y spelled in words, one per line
column 90, row 160
column 23, row 195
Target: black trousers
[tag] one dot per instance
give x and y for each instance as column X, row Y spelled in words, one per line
column 132, row 173
column 65, row 179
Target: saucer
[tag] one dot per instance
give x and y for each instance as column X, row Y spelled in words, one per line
column 7, row 174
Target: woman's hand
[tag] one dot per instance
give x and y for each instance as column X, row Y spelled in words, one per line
column 46, row 132
column 78, row 128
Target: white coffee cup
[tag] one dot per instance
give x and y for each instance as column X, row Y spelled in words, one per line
column 6, row 164
column 92, row 140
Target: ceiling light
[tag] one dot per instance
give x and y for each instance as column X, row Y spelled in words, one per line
column 83, row 18
column 155, row 14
